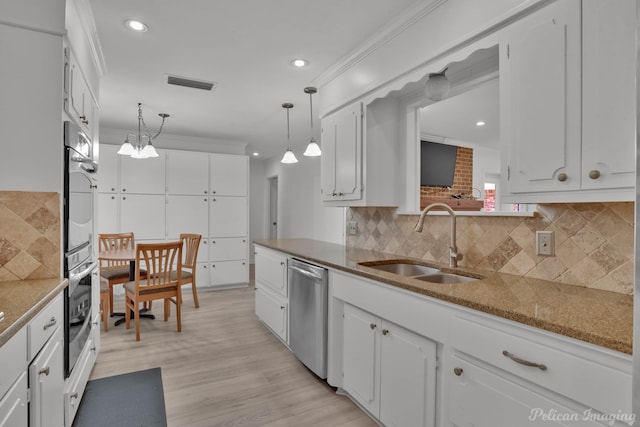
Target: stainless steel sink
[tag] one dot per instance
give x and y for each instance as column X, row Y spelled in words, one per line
column 404, row 269
column 446, row 278
column 419, row 272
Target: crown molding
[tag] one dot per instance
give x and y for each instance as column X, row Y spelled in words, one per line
column 88, row 22
column 390, row 31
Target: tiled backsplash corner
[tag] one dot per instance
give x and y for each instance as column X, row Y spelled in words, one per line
column 593, row 241
column 29, row 235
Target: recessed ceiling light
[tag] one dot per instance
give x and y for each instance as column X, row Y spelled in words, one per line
column 137, row 26
column 299, row 63
column 256, row 154
column 480, row 123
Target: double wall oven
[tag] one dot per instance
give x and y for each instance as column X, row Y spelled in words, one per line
column 80, row 265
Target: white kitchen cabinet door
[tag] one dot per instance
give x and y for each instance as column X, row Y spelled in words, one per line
column 228, row 248
column 144, row 215
column 228, row 273
column 203, row 251
column 187, row 214
column 79, row 103
column 14, row 406
column 479, row 397
column 143, row 176
column 273, row 311
column 608, row 94
column 540, row 82
column 187, row 173
column 271, row 270
column 108, row 213
column 227, row 216
column 342, row 154
column 229, row 175
column 108, row 170
column 202, row 276
column 407, row 378
column 46, row 383
column 361, row 363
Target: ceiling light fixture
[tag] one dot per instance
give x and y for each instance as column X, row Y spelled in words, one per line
column 480, row 123
column 137, row 26
column 313, row 150
column 299, row 63
column 139, row 145
column 288, row 157
column 437, row 86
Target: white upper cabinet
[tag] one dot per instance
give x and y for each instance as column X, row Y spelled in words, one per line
column 608, row 94
column 360, row 155
column 143, row 176
column 143, row 214
column 228, row 216
column 540, row 114
column 187, row 214
column 229, row 175
column 187, row 173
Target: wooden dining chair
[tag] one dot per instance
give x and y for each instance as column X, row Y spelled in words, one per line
column 160, row 259
column 115, row 272
column 190, row 246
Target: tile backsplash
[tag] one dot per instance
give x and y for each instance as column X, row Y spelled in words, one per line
column 29, row 235
column 593, row 241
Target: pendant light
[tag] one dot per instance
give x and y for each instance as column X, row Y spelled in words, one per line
column 437, row 86
column 313, row 150
column 288, row 157
column 139, row 145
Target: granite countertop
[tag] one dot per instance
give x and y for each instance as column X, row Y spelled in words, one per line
column 21, row 300
column 598, row 317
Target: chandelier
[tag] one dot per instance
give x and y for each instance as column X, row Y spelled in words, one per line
column 139, row 145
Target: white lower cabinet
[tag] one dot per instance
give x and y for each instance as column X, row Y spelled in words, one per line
column 77, row 382
column 272, row 310
column 223, row 273
column 388, row 369
column 14, row 406
column 46, row 382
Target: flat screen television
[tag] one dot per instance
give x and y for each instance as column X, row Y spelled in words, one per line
column 437, row 164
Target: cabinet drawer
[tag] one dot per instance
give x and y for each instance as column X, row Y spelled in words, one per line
column 77, row 383
column 13, row 359
column 14, row 406
column 44, row 325
column 227, row 249
column 271, row 270
column 595, row 379
column 273, row 311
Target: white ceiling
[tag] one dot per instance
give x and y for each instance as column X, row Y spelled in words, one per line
column 245, row 46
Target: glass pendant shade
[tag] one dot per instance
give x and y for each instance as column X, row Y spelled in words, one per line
column 313, row 150
column 289, row 157
column 126, row 149
column 437, row 86
column 141, row 147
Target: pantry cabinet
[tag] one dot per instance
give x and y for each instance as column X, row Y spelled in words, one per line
column 388, row 369
column 143, row 176
column 187, row 173
column 229, row 175
column 144, row 214
column 187, row 214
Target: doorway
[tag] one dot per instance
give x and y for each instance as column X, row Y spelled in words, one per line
column 273, row 207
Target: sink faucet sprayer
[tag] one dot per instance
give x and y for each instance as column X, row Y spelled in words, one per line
column 454, row 256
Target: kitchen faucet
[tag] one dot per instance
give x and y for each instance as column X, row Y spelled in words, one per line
column 454, row 256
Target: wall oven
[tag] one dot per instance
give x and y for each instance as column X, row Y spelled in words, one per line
column 79, row 262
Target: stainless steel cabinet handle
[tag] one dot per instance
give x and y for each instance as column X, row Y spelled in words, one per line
column 385, row 332
column 73, row 396
column 594, row 174
column 373, row 325
column 523, row 361
column 52, row 322
column 44, row 371
column 282, row 307
column 562, row 177
column 457, row 371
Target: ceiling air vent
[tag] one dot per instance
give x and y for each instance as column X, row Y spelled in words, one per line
column 187, row 82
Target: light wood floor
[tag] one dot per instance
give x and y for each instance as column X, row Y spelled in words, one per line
column 225, row 368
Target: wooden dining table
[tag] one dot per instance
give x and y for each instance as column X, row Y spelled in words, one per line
column 124, row 255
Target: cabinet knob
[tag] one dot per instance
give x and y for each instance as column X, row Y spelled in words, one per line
column 205, row 191
column 205, row 199
column 457, row 371
column 213, row 192
column 44, row 371
column 373, row 325
column 594, row 174
column 341, row 194
column 385, row 332
column 562, row 177
column 113, row 189
column 282, row 307
column 124, row 189
column 124, row 198
column 113, row 197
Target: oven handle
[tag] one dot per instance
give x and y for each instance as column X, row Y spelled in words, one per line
column 78, row 276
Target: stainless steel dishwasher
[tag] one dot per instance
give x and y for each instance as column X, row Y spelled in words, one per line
column 308, row 290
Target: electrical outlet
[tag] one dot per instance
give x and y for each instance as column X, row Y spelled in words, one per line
column 544, row 243
column 353, row 227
